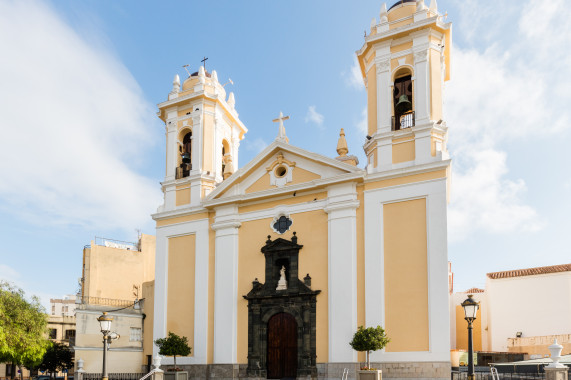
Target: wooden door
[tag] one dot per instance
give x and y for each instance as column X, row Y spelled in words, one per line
column 282, row 346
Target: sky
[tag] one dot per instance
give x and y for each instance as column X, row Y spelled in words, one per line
column 82, row 152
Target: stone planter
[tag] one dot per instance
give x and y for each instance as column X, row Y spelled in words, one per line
column 179, row 375
column 370, row 375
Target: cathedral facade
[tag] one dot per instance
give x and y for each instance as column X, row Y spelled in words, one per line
column 269, row 269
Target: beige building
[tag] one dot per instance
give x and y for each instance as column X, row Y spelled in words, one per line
column 114, row 277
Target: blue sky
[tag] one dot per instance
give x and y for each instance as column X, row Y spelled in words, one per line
column 82, row 151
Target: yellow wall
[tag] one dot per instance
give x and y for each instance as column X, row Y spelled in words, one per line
column 404, row 180
column 401, row 47
column 182, row 195
column 299, row 175
column 406, row 275
column 403, row 152
column 180, row 298
column 311, row 229
column 149, row 310
column 462, row 330
column 372, row 100
column 112, row 272
column 182, row 219
column 401, row 11
column 290, row 200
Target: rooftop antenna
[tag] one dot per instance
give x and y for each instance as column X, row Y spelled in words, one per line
column 229, row 81
column 185, row 68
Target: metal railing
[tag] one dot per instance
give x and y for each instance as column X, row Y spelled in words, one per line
column 114, row 243
column 104, row 301
column 114, row 376
column 406, row 121
column 457, row 375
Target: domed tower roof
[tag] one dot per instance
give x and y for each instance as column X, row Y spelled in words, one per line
column 401, row 2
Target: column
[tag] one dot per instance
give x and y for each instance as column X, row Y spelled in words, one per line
column 171, row 129
column 341, row 208
column 226, row 225
column 421, row 84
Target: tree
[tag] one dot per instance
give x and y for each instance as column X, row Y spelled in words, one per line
column 173, row 345
column 23, row 327
column 369, row 339
column 57, row 358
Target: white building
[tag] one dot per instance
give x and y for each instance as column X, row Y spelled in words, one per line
column 521, row 311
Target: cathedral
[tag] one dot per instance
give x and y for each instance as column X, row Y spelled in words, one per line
column 269, row 268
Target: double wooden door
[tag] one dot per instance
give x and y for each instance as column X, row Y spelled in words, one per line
column 282, row 346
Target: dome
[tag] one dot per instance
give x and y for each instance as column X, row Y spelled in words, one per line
column 192, row 81
column 401, row 2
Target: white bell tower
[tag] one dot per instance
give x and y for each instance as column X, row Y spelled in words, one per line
column 203, row 137
column 405, row 61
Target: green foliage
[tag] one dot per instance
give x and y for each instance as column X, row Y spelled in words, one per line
column 57, row 358
column 23, row 327
column 173, row 345
column 369, row 339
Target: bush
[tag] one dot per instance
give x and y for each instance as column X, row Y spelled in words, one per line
column 369, row 339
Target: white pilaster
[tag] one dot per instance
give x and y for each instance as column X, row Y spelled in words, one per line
column 226, row 225
column 342, row 229
column 171, row 129
column 198, row 139
column 422, row 82
column 383, row 67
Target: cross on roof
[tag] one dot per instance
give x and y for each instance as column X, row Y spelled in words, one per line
column 204, row 62
column 281, row 134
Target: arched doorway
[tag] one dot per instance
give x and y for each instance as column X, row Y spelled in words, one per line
column 282, row 346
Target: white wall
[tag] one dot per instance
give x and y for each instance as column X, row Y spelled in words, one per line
column 535, row 305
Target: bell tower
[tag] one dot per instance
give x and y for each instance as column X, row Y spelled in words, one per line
column 405, row 61
column 203, row 134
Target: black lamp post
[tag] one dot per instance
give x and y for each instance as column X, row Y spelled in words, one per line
column 470, row 309
column 105, row 323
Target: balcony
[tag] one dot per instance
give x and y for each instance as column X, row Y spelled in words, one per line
column 405, row 121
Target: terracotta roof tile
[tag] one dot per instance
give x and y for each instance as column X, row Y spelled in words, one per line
column 530, row 271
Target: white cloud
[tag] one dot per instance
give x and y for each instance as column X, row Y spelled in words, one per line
column 75, row 127
column 354, row 78
column 362, row 124
column 504, row 93
column 314, row 117
column 8, row 273
column 256, row 145
column 483, row 199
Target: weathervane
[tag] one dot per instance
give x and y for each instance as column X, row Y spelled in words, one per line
column 186, row 69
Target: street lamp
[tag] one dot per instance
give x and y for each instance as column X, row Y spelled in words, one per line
column 470, row 309
column 105, row 323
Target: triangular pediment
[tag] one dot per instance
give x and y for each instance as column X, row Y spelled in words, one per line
column 280, row 167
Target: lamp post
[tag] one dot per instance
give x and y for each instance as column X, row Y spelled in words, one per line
column 470, row 309
column 105, row 323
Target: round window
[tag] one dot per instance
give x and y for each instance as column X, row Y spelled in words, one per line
column 280, row 171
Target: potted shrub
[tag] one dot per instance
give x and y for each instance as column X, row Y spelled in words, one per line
column 369, row 339
column 174, row 346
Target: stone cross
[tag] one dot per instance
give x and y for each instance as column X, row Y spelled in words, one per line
column 281, row 134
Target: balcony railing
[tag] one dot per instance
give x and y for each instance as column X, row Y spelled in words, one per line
column 406, row 121
column 104, row 301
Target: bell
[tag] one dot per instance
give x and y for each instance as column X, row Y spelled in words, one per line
column 403, row 105
column 186, row 158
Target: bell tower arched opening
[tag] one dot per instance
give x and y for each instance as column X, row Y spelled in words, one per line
column 185, row 154
column 403, row 100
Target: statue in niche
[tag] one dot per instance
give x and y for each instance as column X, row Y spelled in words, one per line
column 282, row 283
